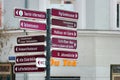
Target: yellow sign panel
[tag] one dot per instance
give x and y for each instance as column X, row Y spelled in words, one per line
column 64, row 62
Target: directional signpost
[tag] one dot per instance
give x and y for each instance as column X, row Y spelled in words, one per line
column 61, row 38
column 67, row 20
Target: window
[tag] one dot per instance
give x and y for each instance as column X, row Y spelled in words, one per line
column 62, row 4
column 65, row 78
column 117, row 15
column 61, row 1
column 115, row 72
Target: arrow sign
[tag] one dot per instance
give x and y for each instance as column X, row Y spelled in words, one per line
column 32, row 25
column 30, row 39
column 64, row 23
column 24, row 13
column 62, row 32
column 64, row 14
column 16, row 69
column 29, row 48
column 27, row 68
column 64, row 43
column 64, row 54
column 28, row 58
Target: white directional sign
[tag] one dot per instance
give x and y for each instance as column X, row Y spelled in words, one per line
column 40, row 62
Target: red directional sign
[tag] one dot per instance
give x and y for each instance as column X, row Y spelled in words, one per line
column 64, row 14
column 32, row 25
column 28, row 58
column 64, row 54
column 29, row 48
column 62, row 32
column 30, row 39
column 63, row 23
column 24, row 13
column 64, row 43
column 27, row 68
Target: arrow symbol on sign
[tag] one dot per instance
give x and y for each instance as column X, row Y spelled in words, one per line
column 21, row 24
column 75, row 44
column 16, row 69
column 18, row 40
column 58, row 54
column 76, row 55
column 17, row 12
column 17, row 60
column 76, row 15
column 16, row 49
column 74, row 25
column 75, row 34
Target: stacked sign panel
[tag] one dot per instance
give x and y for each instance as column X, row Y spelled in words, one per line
column 32, row 15
column 64, row 34
column 30, row 44
column 27, row 48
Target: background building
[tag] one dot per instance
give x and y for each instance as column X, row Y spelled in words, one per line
column 98, row 36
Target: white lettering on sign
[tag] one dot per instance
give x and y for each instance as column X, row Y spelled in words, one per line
column 28, row 68
column 66, row 14
column 68, row 23
column 64, row 43
column 33, row 14
column 62, row 32
column 65, row 33
column 29, row 59
column 63, row 46
column 27, row 14
column 38, row 15
column 58, row 32
column 25, row 68
column 30, row 25
column 26, row 49
column 67, row 55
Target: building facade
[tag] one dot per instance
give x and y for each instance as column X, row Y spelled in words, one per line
column 98, row 39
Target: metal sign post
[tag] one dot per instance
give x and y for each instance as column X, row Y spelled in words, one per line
column 48, row 45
